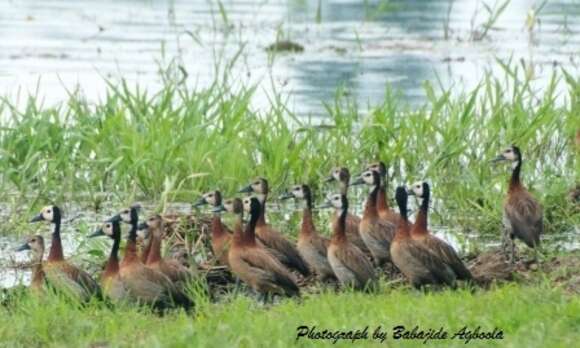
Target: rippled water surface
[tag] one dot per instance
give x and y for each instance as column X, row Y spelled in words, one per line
column 359, row 45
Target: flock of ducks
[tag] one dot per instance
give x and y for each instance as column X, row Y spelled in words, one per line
column 359, row 249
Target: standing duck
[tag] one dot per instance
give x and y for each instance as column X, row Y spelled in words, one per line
column 385, row 211
column 312, row 246
column 377, row 233
column 171, row 268
column 523, row 216
column 251, row 262
column 349, row 263
column 420, row 232
column 270, row 237
column 145, row 285
column 342, row 176
column 36, row 245
column 59, row 273
column 419, row 265
column 111, row 282
column 220, row 233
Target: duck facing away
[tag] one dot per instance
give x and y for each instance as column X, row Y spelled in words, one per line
column 171, row 268
column 312, row 246
column 111, row 282
column 251, row 262
column 420, row 233
column 377, row 233
column 523, row 216
column 342, row 176
column 349, row 263
column 59, row 273
column 272, row 238
column 220, row 234
column 419, row 265
column 36, row 245
column 383, row 208
column 145, row 285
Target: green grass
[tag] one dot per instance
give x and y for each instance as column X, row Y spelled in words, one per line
column 175, row 144
column 529, row 316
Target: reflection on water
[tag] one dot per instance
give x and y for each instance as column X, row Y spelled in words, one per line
column 359, row 45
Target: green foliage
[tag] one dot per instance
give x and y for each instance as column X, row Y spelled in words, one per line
column 177, row 143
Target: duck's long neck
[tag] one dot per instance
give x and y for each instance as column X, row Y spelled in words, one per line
column 145, row 250
column 371, row 204
column 515, row 182
column 340, row 227
column 238, row 237
column 250, row 233
column 131, row 246
column 217, row 229
column 56, row 253
column 37, row 273
column 112, row 266
column 261, row 220
column 403, row 226
column 421, row 222
column 155, row 252
column 382, row 201
column 307, row 221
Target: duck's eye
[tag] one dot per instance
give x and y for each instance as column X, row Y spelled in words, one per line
column 509, row 150
column 108, row 225
column 33, row 240
column 49, row 211
column 210, row 195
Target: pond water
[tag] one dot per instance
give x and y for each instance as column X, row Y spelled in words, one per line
column 53, row 46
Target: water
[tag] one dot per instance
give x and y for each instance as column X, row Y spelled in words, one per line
column 53, row 46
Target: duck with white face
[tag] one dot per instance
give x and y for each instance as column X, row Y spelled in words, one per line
column 250, row 261
column 377, row 233
column 59, row 273
column 220, row 233
column 342, row 176
column 385, row 211
column 268, row 235
column 311, row 245
column 36, row 245
column 112, row 284
column 348, row 262
column 523, row 215
column 419, row 264
column 421, row 233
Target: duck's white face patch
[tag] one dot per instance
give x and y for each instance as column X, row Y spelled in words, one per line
column 247, row 202
column 510, row 154
column 335, row 200
column 108, row 229
column 210, row 198
column 417, row 189
column 126, row 215
column 368, row 177
column 48, row 213
column 298, row 192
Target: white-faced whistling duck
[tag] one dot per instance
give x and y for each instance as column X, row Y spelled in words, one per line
column 349, row 263
column 270, row 237
column 59, row 273
column 145, row 285
column 385, row 211
column 312, row 246
column 172, row 268
column 342, row 176
column 377, row 233
column 523, row 217
column 220, row 234
column 417, row 263
column 111, row 282
column 251, row 262
column 420, row 232
column 36, row 245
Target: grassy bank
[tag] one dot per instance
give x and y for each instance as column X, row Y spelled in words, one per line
column 177, row 143
column 529, row 316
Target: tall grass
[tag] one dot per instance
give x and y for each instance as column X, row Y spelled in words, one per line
column 174, row 144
